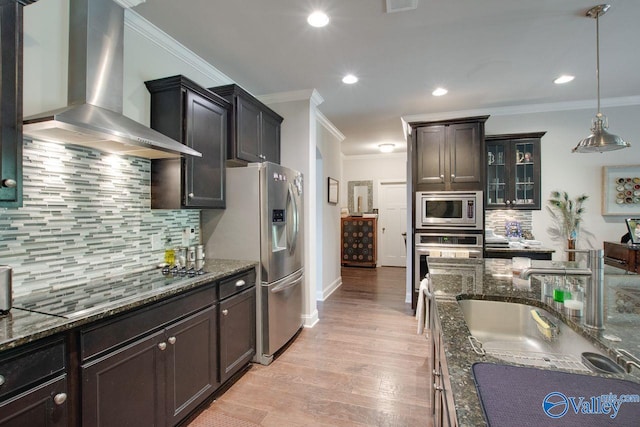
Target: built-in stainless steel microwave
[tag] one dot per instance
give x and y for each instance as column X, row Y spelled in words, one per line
column 449, row 210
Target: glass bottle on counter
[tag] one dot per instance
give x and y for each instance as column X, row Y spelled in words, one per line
column 169, row 253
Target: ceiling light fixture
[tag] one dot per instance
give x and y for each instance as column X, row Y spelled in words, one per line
column 439, row 92
column 600, row 140
column 318, row 19
column 349, row 79
column 386, row 148
column 565, row 78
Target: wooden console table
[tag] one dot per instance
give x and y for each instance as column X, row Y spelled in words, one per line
column 622, row 256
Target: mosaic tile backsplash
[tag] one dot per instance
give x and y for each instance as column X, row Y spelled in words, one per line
column 497, row 219
column 86, row 214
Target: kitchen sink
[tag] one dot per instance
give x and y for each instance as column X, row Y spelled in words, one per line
column 510, row 332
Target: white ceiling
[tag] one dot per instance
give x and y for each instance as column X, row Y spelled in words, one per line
column 489, row 54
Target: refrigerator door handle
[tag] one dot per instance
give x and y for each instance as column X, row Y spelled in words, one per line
column 291, row 200
column 288, row 283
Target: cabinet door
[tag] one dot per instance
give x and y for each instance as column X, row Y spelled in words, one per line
column 126, row 387
column 526, row 174
column 464, row 144
column 270, row 138
column 513, row 171
column 42, row 406
column 248, row 131
column 11, row 104
column 206, row 132
column 192, row 363
column 237, row 332
column 430, row 156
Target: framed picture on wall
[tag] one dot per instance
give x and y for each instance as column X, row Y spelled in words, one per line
column 333, row 191
column 621, row 190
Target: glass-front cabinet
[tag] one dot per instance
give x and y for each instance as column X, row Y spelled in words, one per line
column 513, row 171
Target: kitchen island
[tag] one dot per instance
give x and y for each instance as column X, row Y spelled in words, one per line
column 491, row 279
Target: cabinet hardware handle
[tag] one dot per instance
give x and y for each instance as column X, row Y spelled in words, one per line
column 508, row 202
column 453, row 175
column 2, row 380
column 240, row 283
column 225, row 312
column 436, row 387
column 60, row 398
column 436, row 373
column 442, row 176
column 162, row 345
column 9, row 183
column 191, row 195
column 172, row 340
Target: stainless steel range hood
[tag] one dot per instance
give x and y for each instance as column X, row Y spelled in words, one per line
column 93, row 117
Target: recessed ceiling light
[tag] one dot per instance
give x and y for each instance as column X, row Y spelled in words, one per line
column 565, row 78
column 386, row 148
column 318, row 19
column 349, row 79
column 439, row 92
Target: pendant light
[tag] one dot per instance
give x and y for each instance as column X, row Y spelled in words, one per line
column 600, row 140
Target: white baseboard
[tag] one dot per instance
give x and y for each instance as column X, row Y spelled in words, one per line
column 325, row 293
column 309, row 321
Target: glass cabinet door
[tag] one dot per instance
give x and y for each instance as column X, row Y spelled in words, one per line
column 524, row 173
column 496, row 174
column 513, row 171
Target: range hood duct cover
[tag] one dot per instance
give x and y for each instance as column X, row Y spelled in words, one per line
column 93, row 116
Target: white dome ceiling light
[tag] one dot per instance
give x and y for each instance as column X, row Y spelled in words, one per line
column 565, row 78
column 439, row 92
column 349, row 79
column 318, row 19
column 386, row 148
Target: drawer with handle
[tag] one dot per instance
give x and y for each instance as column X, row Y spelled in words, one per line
column 24, row 368
column 237, row 283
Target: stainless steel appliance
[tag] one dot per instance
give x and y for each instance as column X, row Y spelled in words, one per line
column 93, row 117
column 451, row 210
column 6, row 295
column 263, row 221
column 443, row 245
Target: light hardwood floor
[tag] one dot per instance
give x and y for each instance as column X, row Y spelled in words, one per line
column 363, row 364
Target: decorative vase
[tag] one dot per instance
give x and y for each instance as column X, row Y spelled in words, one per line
column 571, row 244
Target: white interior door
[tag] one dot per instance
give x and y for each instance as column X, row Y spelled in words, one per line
column 392, row 222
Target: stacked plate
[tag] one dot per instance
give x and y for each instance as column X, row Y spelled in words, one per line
column 627, row 190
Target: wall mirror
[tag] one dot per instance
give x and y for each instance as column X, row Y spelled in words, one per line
column 360, row 196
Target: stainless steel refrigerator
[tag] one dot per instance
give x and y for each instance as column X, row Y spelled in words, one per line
column 263, row 221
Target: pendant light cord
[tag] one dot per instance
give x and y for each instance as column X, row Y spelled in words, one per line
column 598, row 58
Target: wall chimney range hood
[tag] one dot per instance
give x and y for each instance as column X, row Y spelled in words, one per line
column 93, row 117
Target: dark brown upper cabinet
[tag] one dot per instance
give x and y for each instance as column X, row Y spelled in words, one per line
column 449, row 154
column 11, row 35
column 513, row 171
column 255, row 132
column 200, row 119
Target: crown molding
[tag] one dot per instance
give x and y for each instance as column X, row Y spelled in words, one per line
column 129, row 3
column 291, row 96
column 146, row 29
column 525, row 109
column 396, row 155
column 322, row 119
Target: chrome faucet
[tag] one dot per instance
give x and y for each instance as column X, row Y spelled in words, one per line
column 594, row 306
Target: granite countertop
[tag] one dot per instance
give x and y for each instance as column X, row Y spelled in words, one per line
column 491, row 279
column 516, row 250
column 44, row 313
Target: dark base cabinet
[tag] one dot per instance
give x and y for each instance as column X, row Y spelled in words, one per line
column 237, row 332
column 154, row 366
column 33, row 389
column 237, row 323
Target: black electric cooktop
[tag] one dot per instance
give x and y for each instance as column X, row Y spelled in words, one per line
column 80, row 300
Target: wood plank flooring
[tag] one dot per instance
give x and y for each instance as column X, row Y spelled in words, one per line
column 363, row 364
